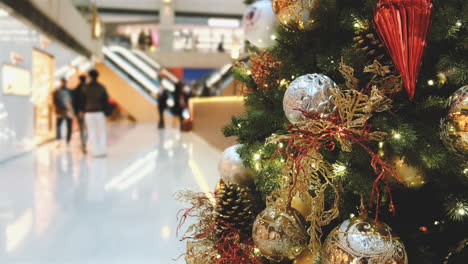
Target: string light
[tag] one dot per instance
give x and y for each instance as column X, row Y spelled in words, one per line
column 458, row 23
column 430, row 82
column 281, row 145
column 458, row 211
column 249, row 72
column 339, row 169
column 273, row 37
column 256, row 156
column 397, row 136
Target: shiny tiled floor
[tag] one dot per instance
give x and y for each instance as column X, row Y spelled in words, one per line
column 60, row 207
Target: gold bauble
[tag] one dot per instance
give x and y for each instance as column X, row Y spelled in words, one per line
column 302, row 204
column 306, row 257
column 296, row 14
column 361, row 240
column 454, row 127
column 280, row 234
column 414, row 177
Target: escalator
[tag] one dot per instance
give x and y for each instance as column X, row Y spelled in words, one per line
column 217, row 83
column 134, row 81
column 129, row 86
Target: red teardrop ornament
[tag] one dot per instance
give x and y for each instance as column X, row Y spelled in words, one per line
column 403, row 27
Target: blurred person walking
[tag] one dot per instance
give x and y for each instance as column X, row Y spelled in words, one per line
column 79, row 108
column 63, row 103
column 162, row 105
column 96, row 104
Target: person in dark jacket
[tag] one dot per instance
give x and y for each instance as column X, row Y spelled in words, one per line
column 79, row 108
column 63, row 103
column 96, row 102
column 162, row 105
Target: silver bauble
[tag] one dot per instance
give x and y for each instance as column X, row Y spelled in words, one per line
column 259, row 23
column 454, row 127
column 280, row 234
column 232, row 169
column 361, row 240
column 309, row 93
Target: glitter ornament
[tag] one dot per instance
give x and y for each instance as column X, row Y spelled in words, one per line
column 263, row 68
column 280, row 234
column 309, row 93
column 259, row 23
column 296, row 14
column 454, row 127
column 361, row 240
column 232, row 170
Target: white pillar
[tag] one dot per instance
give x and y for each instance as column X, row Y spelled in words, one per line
column 166, row 25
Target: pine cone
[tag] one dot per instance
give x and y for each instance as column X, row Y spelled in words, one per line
column 235, row 208
column 367, row 41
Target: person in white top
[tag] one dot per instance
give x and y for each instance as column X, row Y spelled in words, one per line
column 96, row 103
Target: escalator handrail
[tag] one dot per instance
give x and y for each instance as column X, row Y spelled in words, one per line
column 136, row 61
column 142, row 80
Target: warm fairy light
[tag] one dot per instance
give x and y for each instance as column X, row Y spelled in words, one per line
column 235, row 53
column 283, row 82
column 273, row 37
column 339, row 169
column 458, row 23
column 465, row 171
column 281, row 145
column 397, row 136
column 352, row 215
column 249, row 72
column 430, row 82
column 459, row 211
column 292, row 77
column 239, row 125
column 256, row 250
column 282, row 160
column 256, row 156
column 356, row 25
column 436, row 223
column 423, row 229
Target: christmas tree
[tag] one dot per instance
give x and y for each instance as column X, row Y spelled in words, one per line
column 354, row 143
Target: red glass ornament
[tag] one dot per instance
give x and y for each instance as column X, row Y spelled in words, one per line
column 403, row 26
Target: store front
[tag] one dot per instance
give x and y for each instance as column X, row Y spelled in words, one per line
column 30, row 65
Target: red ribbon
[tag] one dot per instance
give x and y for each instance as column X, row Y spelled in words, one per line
column 300, row 142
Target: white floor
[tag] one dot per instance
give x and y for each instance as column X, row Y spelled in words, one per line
column 60, row 207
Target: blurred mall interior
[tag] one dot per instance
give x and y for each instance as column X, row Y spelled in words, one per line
column 165, row 65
